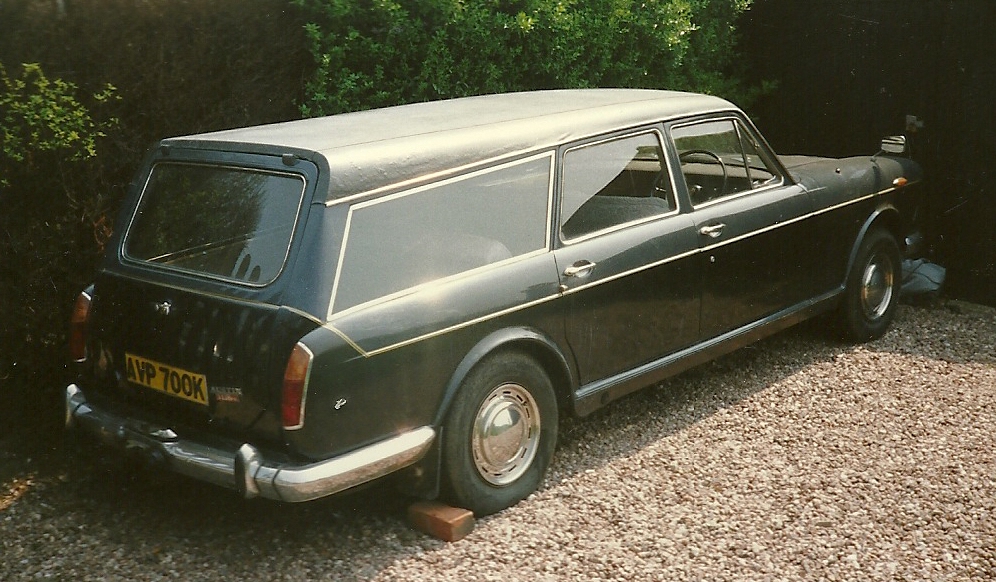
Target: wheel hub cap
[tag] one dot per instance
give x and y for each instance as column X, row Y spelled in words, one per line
column 876, row 287
column 506, row 434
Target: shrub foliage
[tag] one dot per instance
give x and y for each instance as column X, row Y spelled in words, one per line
column 372, row 53
column 111, row 76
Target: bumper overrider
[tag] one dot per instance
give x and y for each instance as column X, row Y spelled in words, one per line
column 245, row 469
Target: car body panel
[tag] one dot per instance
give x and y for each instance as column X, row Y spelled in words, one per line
column 605, row 312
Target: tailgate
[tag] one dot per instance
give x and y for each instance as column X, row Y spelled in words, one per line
column 191, row 359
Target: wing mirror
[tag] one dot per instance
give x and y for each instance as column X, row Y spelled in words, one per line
column 894, row 144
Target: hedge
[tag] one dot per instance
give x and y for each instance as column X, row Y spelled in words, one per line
column 89, row 85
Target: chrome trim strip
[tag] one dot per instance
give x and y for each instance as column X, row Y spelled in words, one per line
column 796, row 219
column 670, row 259
column 446, row 330
column 329, row 326
column 438, row 282
column 572, row 290
column 617, row 227
column 589, row 398
column 246, row 470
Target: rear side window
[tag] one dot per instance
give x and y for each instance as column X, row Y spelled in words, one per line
column 223, row 222
column 423, row 235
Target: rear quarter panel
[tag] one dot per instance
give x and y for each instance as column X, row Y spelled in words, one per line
column 384, row 368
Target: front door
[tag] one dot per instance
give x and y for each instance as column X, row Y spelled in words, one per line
column 757, row 249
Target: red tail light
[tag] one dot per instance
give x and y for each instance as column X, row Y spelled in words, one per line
column 77, row 327
column 296, row 387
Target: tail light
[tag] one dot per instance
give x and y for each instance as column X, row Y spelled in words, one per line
column 77, row 327
column 296, row 387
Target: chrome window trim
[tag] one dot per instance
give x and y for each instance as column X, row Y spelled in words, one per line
column 664, row 166
column 739, row 126
column 331, row 313
column 125, row 258
column 439, row 177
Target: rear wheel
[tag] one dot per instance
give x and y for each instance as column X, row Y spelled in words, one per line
column 500, row 434
column 872, row 288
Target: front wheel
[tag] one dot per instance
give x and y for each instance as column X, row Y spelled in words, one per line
column 500, row 434
column 872, row 287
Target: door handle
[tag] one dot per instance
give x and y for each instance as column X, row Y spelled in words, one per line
column 713, row 230
column 579, row 269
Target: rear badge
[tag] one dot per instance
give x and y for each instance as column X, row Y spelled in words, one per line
column 226, row 394
column 163, row 308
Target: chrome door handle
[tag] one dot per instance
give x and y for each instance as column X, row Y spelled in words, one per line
column 579, row 269
column 712, row 231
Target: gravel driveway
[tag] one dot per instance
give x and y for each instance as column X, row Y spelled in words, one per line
column 795, row 459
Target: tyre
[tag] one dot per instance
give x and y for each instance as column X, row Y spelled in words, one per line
column 500, row 434
column 872, row 288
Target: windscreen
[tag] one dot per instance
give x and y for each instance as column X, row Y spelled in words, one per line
column 223, row 222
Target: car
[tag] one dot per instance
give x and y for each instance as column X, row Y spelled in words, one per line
column 420, row 293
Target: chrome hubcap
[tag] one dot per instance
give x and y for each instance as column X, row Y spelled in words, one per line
column 506, row 434
column 877, row 286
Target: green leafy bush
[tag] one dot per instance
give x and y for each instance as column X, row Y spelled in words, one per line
column 47, row 230
column 177, row 67
column 39, row 114
column 377, row 53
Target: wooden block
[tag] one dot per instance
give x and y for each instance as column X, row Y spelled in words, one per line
column 440, row 520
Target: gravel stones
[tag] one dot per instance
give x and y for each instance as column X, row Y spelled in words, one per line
column 797, row 458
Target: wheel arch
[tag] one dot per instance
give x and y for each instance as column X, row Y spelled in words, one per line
column 885, row 217
column 523, row 339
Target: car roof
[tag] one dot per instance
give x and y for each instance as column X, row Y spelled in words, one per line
column 374, row 149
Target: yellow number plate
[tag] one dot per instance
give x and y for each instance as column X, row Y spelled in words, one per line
column 168, row 379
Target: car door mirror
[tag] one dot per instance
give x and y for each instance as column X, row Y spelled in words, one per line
column 894, row 144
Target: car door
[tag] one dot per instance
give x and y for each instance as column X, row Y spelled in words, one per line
column 625, row 255
column 756, row 247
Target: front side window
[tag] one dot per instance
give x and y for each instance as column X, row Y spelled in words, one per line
column 224, row 222
column 612, row 183
column 720, row 158
column 402, row 241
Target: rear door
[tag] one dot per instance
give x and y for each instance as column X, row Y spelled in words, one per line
column 625, row 256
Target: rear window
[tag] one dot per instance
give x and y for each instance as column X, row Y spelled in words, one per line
column 224, row 222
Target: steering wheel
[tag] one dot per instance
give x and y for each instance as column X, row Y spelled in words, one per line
column 691, row 153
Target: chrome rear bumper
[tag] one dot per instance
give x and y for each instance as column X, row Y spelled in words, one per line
column 245, row 469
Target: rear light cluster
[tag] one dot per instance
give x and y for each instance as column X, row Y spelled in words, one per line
column 296, row 387
column 78, row 327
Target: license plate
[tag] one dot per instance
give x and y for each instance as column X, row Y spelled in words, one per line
column 167, row 379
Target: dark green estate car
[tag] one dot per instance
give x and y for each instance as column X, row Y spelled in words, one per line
column 297, row 309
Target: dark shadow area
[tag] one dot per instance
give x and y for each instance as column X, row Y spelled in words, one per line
column 850, row 71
